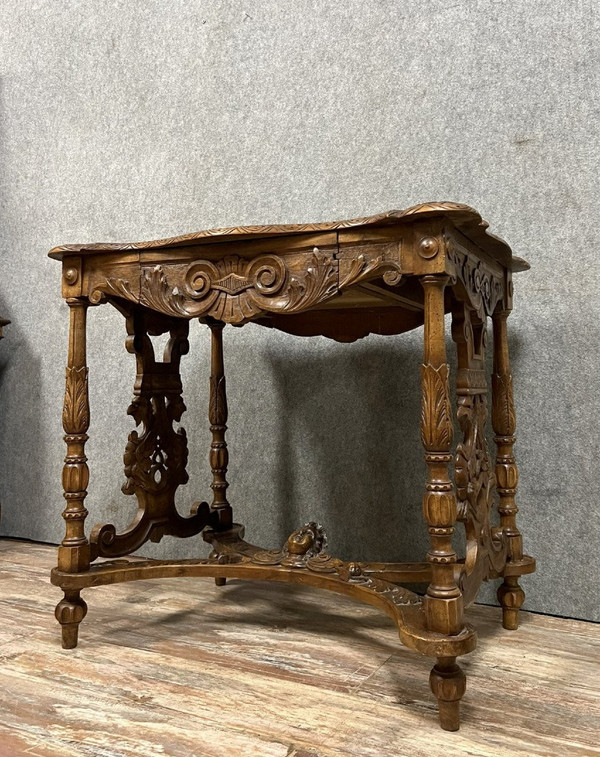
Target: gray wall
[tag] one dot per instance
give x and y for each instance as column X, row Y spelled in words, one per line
column 124, row 121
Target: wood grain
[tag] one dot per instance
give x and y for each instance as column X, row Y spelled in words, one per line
column 180, row 668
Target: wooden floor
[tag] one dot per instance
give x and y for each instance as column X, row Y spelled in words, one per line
column 183, row 668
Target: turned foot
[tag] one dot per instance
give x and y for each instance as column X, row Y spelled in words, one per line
column 511, row 596
column 69, row 612
column 219, row 581
column 448, row 683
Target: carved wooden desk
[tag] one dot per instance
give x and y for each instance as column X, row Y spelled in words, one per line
column 385, row 275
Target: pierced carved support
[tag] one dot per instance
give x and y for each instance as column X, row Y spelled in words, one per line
column 486, row 546
column 510, row 595
column 155, row 459
column 443, row 601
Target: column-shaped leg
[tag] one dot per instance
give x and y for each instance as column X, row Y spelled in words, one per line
column 74, row 551
column 443, row 602
column 510, row 595
column 217, row 415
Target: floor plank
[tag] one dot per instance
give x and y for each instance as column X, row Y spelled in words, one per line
column 179, row 667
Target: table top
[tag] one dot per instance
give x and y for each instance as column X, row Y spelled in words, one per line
column 343, row 279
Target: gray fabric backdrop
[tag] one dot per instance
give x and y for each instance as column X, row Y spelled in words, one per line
column 124, row 121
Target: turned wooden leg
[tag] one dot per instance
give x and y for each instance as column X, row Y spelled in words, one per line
column 217, row 414
column 448, row 683
column 69, row 612
column 74, row 551
column 510, row 595
column 443, row 602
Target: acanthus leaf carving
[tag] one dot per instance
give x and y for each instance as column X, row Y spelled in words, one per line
column 503, row 406
column 157, row 294
column 112, row 286
column 235, row 290
column 371, row 263
column 436, row 418
column 76, row 412
column 217, row 409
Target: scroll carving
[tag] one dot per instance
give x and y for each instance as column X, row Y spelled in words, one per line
column 115, row 287
column 436, row 418
column 370, row 262
column 235, row 290
column 484, row 287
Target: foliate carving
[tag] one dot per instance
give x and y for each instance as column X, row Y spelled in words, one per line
column 217, row 409
column 475, row 481
column 486, row 546
column 158, row 294
column 503, row 406
column 317, row 284
column 155, row 460
column 483, row 286
column 235, row 290
column 371, row 263
column 115, row 287
column 76, row 414
column 436, row 417
column 303, row 544
column 304, row 550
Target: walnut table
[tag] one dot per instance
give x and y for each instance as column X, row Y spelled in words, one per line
column 385, row 275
